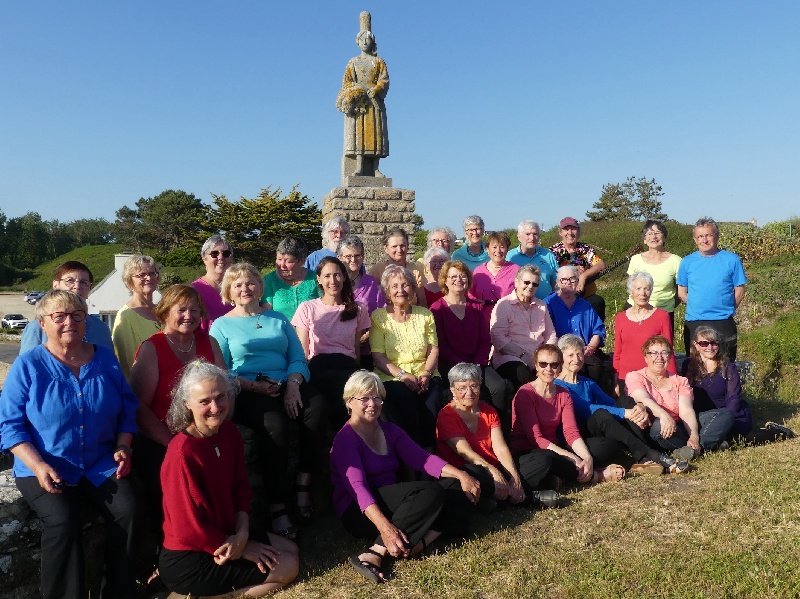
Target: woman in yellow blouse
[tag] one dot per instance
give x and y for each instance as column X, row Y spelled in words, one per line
column 405, row 351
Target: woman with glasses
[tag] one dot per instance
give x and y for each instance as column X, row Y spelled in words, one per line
column 473, row 252
column 69, row 276
column 669, row 400
column 400, row 518
column 463, row 333
column 366, row 289
column 495, row 278
column 136, row 320
column 635, row 325
column 545, row 438
column 217, row 257
column 68, row 416
column 573, row 314
column 520, row 323
column 661, row 265
column 468, row 436
column 434, row 259
column 716, row 384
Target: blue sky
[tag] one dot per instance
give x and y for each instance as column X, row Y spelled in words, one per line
column 513, row 110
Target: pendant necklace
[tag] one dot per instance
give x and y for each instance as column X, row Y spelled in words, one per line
column 213, row 442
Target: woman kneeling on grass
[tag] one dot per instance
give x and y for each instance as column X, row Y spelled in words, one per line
column 402, row 518
column 716, row 384
column 208, row 548
column 545, row 439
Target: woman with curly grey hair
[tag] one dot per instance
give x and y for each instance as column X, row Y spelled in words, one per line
column 208, row 546
column 291, row 282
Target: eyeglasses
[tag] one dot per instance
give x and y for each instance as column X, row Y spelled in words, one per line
column 707, row 343
column 653, row 234
column 440, row 241
column 83, row 284
column 147, row 275
column 569, row 280
column 351, row 257
column 462, row 391
column 553, row 365
column 216, row 253
column 61, row 317
column 531, row 283
column 376, row 401
column 656, row 354
column 474, row 231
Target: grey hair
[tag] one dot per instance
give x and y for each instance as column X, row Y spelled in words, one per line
column 179, row 415
column 570, row 341
column 133, row 265
column 395, row 270
column 571, row 268
column 451, row 235
column 293, row 246
column 474, row 219
column 707, row 221
column 640, row 274
column 337, row 222
column 59, row 297
column 237, row 270
column 360, row 383
column 395, row 232
column 463, row 372
column 351, row 241
column 430, row 253
column 529, row 268
column 528, row 224
column 211, row 242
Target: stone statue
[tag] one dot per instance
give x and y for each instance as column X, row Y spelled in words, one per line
column 364, row 86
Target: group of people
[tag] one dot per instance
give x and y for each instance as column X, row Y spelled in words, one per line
column 480, row 366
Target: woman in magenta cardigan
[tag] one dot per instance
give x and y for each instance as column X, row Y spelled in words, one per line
column 208, row 546
column 402, row 518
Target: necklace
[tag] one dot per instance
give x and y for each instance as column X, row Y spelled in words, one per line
column 639, row 320
column 213, row 442
column 183, row 351
column 258, row 325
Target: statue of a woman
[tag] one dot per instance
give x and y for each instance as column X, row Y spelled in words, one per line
column 365, row 84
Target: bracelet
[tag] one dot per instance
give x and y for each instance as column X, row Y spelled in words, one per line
column 296, row 380
column 400, row 374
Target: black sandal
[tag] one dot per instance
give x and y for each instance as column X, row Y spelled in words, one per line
column 289, row 532
column 368, row 570
column 305, row 512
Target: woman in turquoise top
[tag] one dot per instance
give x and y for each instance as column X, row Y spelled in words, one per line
column 290, row 283
column 261, row 348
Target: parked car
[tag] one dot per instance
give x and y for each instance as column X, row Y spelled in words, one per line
column 13, row 321
column 27, row 294
column 34, row 297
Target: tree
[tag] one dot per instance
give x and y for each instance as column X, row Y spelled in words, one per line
column 633, row 200
column 166, row 222
column 28, row 237
column 90, row 231
column 255, row 227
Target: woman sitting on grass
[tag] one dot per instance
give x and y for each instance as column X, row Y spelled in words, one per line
column 402, row 519
column 541, row 413
column 208, row 547
column 716, row 384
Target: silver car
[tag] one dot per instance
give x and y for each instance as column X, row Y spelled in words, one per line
column 13, row 321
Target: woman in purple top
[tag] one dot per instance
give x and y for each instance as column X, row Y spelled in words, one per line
column 217, row 256
column 495, row 278
column 367, row 289
column 402, row 518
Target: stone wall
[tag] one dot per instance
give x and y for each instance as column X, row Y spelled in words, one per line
column 371, row 212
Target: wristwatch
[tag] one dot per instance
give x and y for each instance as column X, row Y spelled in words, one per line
column 400, row 374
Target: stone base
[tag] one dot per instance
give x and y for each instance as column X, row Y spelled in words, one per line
column 356, row 181
column 371, row 212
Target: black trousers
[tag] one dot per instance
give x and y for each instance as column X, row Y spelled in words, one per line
column 62, row 550
column 329, row 373
column 415, row 508
column 536, row 465
column 268, row 419
column 627, row 402
column 415, row 413
column 517, row 373
column 726, row 328
column 602, row 427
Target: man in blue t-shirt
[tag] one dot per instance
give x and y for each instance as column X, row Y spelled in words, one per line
column 711, row 283
column 530, row 252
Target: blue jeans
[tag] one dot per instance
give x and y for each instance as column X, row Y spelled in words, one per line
column 715, row 426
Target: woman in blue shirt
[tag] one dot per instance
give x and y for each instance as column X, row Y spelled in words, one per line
column 68, row 416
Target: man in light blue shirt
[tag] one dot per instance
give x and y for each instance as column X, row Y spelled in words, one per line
column 530, row 252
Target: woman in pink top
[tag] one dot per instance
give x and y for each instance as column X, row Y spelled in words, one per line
column 541, row 413
column 217, row 257
column 669, row 398
column 330, row 330
column 495, row 278
column 520, row 323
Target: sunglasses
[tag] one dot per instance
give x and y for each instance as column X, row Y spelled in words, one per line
column 216, row 253
column 707, row 343
column 553, row 365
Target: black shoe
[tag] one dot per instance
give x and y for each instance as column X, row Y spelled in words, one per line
column 784, row 430
column 486, row 505
column 666, row 461
column 545, row 498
